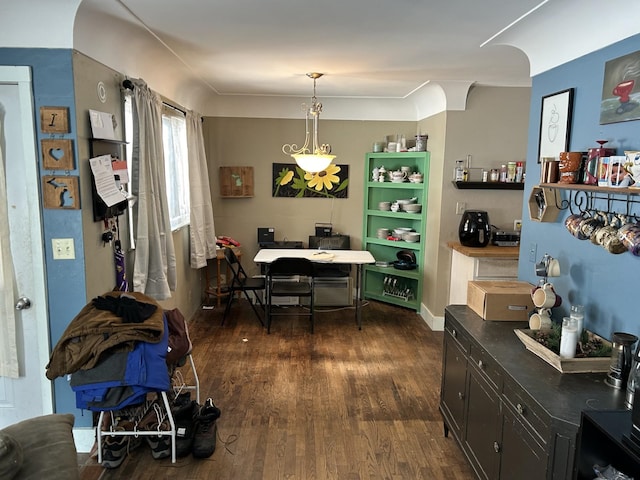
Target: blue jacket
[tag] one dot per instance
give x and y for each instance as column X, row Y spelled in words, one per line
column 122, row 378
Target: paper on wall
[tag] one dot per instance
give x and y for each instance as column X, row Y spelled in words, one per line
column 102, row 125
column 105, row 180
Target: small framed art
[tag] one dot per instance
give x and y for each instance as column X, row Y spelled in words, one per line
column 555, row 123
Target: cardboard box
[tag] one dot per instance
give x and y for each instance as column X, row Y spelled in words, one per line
column 501, row 300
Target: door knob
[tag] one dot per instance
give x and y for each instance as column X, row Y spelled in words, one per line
column 23, row 303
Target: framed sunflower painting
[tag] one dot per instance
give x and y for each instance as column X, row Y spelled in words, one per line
column 289, row 180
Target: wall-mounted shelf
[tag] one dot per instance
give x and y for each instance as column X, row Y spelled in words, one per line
column 488, row 185
column 115, row 148
column 592, row 188
column 583, row 198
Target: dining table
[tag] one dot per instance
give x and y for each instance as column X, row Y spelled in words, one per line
column 325, row 256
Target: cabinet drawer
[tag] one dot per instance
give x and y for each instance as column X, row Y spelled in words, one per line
column 486, row 365
column 461, row 338
column 490, row 268
column 527, row 410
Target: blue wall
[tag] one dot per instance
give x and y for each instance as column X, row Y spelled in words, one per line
column 606, row 284
column 52, row 74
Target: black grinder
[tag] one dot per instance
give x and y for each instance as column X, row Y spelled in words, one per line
column 474, row 229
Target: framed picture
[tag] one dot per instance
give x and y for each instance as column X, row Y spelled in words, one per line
column 555, row 123
column 289, row 180
column 621, row 89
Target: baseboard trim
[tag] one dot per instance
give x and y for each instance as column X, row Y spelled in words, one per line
column 84, row 438
column 435, row 323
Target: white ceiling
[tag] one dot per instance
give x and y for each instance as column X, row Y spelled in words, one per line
column 365, row 48
column 382, row 59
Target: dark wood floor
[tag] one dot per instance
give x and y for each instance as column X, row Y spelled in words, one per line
column 338, row 404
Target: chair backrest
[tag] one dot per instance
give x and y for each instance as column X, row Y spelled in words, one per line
column 238, row 272
column 286, row 266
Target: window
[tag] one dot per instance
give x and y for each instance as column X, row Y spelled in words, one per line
column 176, row 162
column 176, row 166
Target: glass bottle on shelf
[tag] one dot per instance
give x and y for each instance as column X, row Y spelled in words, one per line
column 458, row 172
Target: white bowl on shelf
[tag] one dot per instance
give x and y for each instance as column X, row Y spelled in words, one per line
column 412, row 207
column 400, row 231
column 411, row 237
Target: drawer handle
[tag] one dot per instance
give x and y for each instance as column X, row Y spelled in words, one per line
column 461, row 395
column 520, row 409
column 496, row 447
column 454, row 334
column 481, row 364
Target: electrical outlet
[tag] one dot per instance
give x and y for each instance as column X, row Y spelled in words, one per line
column 63, row 249
column 460, row 208
column 517, row 225
column 533, row 252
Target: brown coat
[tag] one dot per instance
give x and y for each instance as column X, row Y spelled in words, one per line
column 94, row 331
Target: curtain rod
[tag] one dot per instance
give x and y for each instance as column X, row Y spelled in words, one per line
column 128, row 84
column 174, row 108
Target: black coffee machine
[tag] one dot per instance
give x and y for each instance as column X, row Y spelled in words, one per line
column 474, row 229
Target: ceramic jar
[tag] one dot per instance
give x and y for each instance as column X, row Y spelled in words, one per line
column 570, row 166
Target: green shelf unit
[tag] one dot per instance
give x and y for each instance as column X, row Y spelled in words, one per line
column 408, row 283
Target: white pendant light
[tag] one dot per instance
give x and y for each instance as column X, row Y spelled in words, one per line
column 312, row 156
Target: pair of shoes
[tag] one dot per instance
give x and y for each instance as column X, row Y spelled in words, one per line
column 204, row 443
column 156, row 420
column 186, row 421
column 116, row 447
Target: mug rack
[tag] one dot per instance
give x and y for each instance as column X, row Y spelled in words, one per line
column 588, row 198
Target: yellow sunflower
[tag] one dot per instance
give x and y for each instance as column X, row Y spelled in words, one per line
column 324, row 179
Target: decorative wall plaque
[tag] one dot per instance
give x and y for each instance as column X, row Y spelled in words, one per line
column 54, row 119
column 61, row 192
column 57, row 154
column 236, row 182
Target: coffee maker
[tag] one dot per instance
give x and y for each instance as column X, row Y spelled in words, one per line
column 474, row 229
column 621, row 359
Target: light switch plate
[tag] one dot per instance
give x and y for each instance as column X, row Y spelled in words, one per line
column 63, row 249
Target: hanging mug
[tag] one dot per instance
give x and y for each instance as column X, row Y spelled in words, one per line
column 541, row 320
column 546, row 297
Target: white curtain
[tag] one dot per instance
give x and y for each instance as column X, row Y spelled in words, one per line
column 154, row 268
column 8, row 346
column 202, row 231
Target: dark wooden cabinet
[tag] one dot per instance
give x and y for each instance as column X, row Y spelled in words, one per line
column 513, row 415
column 454, row 380
column 482, row 425
column 522, row 455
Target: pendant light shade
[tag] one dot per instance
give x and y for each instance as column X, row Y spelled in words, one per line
column 312, row 156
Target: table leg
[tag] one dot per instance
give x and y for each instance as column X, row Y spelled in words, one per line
column 359, row 296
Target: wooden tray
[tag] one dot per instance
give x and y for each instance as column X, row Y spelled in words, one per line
column 564, row 365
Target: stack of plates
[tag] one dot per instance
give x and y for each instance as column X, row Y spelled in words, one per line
column 383, row 233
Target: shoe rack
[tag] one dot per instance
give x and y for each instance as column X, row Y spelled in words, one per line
column 100, row 433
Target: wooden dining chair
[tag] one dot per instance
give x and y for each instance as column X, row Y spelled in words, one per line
column 290, row 277
column 241, row 282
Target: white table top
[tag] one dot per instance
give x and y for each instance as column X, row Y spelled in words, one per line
column 356, row 257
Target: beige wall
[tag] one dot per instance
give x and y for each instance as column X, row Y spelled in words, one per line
column 99, row 263
column 436, row 266
column 258, row 143
column 493, row 130
column 99, row 266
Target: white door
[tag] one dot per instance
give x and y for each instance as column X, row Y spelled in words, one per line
column 30, row 394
